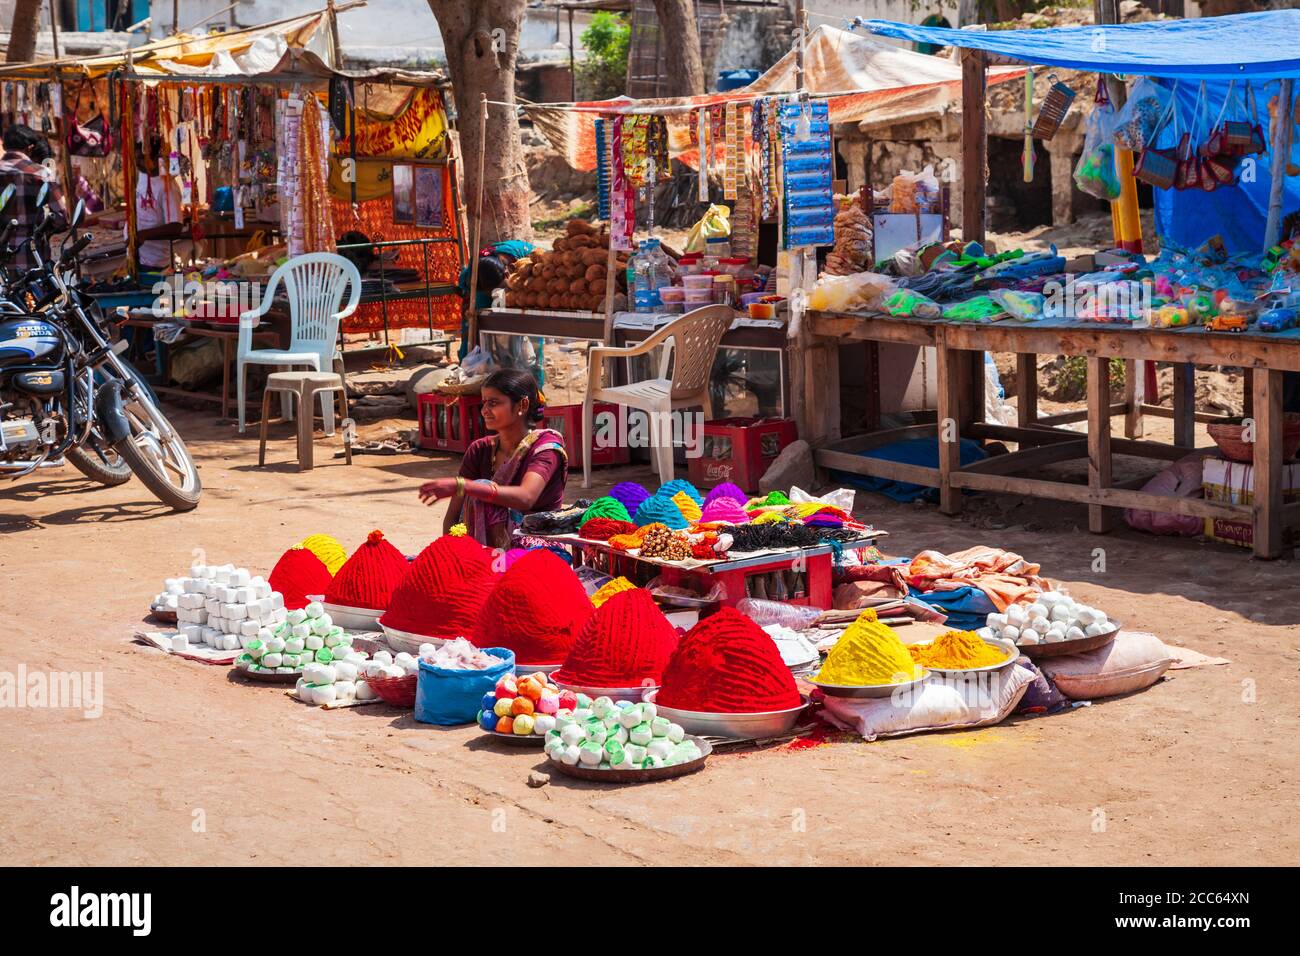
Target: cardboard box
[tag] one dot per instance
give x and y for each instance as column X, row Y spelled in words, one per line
column 1240, row 533
column 1233, row 482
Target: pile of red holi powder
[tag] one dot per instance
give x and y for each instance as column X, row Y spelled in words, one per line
column 367, row 579
column 602, row 529
column 300, row 577
column 443, row 589
column 626, row 643
column 537, row 610
column 726, row 664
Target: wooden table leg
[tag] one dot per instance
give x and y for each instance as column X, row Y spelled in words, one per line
column 1026, row 389
column 1248, row 392
column 1185, row 405
column 949, row 424
column 1133, row 398
column 1268, row 531
column 225, row 377
column 1100, row 518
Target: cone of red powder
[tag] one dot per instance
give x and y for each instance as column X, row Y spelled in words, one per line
column 726, row 664
column 443, row 589
column 537, row 609
column 300, row 577
column 367, row 579
column 626, row 643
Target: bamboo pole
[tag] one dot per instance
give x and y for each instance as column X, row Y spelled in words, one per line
column 472, row 327
column 1280, row 159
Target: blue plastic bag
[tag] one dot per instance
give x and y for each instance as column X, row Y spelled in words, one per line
column 450, row 697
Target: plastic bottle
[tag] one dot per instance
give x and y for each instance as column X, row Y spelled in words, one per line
column 797, row 617
column 655, row 270
column 631, row 271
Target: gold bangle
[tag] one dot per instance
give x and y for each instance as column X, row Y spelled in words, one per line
column 460, row 486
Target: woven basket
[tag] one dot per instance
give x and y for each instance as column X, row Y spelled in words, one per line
column 470, row 386
column 398, row 691
column 1228, row 438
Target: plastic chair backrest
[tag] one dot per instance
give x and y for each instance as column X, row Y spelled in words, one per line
column 696, row 336
column 314, row 285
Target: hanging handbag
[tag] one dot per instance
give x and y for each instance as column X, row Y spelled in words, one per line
column 93, row 137
column 1159, row 167
column 1258, row 142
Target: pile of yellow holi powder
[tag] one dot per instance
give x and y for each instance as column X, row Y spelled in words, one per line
column 610, row 588
column 868, row 653
column 327, row 548
column 956, row 650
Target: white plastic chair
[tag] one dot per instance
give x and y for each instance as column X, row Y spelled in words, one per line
column 692, row 341
column 314, row 285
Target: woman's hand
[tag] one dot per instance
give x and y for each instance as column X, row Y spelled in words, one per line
column 436, row 490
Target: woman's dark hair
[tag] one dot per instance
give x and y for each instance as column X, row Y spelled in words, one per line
column 517, row 385
column 491, row 273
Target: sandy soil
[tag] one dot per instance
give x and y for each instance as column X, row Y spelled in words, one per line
column 188, row 766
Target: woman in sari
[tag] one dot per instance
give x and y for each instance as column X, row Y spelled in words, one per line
column 519, row 469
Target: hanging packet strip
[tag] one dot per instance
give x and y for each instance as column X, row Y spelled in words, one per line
column 733, row 145
column 602, row 170
column 806, row 174
column 702, row 136
column 622, row 210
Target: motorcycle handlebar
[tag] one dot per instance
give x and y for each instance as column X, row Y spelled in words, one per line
column 7, row 233
column 81, row 242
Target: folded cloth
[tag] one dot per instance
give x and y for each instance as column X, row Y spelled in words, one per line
column 1004, row 576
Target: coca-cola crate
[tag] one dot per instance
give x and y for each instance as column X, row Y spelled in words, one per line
column 739, row 450
column 567, row 420
column 450, row 422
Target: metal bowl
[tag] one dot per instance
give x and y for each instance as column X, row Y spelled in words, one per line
column 1065, row 648
column 517, row 740
column 353, row 618
column 523, row 670
column 613, row 693
column 1012, row 652
column 867, row 690
column 408, row 642
column 762, row 724
column 635, row 776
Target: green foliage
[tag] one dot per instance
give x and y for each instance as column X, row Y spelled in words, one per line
column 603, row 74
column 1074, row 374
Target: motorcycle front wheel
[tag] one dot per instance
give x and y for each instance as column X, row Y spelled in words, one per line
column 99, row 461
column 157, row 454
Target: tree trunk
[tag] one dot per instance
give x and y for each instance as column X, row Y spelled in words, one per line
column 680, row 38
column 22, row 32
column 481, row 39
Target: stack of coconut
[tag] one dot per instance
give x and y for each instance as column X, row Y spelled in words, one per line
column 570, row 277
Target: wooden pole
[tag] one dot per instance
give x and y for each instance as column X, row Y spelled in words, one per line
column 1280, row 159
column 472, row 327
column 573, row 63
column 337, row 46
column 54, row 30
column 974, row 145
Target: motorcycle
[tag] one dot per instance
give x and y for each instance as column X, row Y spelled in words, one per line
column 65, row 393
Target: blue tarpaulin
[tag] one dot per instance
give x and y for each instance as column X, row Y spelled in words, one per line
column 1263, row 45
column 1187, row 217
column 913, row 451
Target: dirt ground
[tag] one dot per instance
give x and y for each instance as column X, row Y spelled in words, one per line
column 189, row 766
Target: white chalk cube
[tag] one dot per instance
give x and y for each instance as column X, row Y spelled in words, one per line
column 212, row 606
column 230, row 642
column 199, row 616
column 248, row 628
column 281, row 615
column 277, row 599
column 303, row 630
column 314, row 642
column 261, row 588
column 235, row 612
column 240, row 577
column 193, row 633
column 180, row 642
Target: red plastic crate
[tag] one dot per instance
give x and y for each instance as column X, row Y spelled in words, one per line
column 739, row 450
column 450, row 422
column 567, row 420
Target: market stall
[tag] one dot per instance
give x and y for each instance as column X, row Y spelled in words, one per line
column 1188, row 306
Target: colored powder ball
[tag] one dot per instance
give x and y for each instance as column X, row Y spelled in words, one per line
column 956, row 650
column 724, row 509
column 629, row 494
column 660, row 510
column 326, row 547
column 626, row 643
column 727, row 489
column 606, row 507
column 443, row 589
column 536, row 610
column 726, row 664
column 669, row 488
column 867, row 653
column 300, row 577
column 367, row 579
column 688, row 506
column 607, row 590
column 602, row 529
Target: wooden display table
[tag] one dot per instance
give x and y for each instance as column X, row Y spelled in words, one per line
column 959, row 348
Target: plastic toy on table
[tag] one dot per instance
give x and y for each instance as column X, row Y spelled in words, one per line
column 1227, row 322
column 1278, row 320
column 1169, row 317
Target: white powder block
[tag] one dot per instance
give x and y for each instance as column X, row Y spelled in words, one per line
column 307, row 656
column 212, row 606
column 230, row 642
column 294, row 645
column 248, row 628
column 280, row 616
column 345, row 671
column 193, row 633
column 277, row 600
column 275, row 644
column 180, row 642
column 320, row 625
column 198, row 570
column 183, row 615
column 364, row 691
column 344, row 690
column 314, row 609
column 236, row 612
column 313, row 642
column 170, row 602
column 271, row 659
column 245, row 640
column 200, row 616
column 221, row 576
column 226, row 595
column 302, row 630
column 296, row 616
column 240, row 577
column 383, row 657
column 208, row 633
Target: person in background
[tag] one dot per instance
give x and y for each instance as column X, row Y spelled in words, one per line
column 157, row 205
column 24, row 171
column 494, row 264
column 520, row 469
